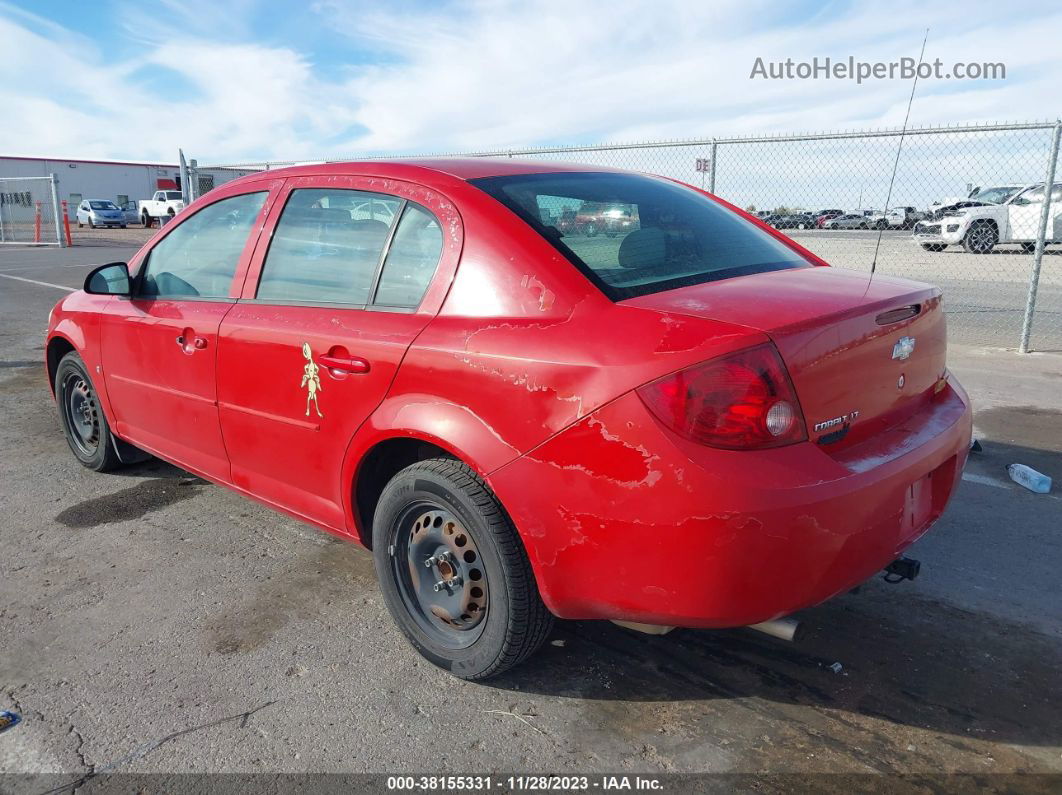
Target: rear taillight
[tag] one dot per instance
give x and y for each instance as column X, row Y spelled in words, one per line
column 741, row 401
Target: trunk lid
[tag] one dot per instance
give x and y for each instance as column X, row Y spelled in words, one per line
column 862, row 358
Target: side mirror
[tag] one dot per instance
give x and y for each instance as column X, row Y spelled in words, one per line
column 109, row 279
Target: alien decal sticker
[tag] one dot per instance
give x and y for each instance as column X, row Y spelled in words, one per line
column 311, row 379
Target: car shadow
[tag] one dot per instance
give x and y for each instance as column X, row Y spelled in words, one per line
column 880, row 654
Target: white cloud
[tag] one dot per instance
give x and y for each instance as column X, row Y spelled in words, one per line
column 492, row 75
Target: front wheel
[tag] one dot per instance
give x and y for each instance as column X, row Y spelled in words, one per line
column 934, row 246
column 981, row 238
column 454, row 573
column 81, row 417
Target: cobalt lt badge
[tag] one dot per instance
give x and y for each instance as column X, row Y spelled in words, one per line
column 903, row 348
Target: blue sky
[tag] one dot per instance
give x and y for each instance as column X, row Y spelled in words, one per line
column 247, row 79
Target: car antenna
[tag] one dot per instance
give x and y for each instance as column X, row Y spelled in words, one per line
column 896, row 162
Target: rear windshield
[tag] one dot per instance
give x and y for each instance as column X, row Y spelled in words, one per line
column 632, row 234
column 174, row 195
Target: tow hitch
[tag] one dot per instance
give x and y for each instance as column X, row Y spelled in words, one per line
column 902, row 569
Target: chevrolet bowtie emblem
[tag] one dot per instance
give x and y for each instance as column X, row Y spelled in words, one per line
column 903, row 348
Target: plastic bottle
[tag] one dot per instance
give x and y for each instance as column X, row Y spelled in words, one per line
column 1029, row 478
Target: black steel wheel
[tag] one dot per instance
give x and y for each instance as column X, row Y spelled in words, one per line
column 980, row 238
column 81, row 417
column 453, row 571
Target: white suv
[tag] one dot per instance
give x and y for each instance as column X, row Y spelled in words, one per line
column 994, row 215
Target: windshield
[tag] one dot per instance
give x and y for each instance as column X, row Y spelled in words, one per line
column 173, row 194
column 632, row 234
column 103, row 205
column 993, row 195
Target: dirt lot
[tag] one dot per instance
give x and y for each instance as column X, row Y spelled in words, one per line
column 153, row 623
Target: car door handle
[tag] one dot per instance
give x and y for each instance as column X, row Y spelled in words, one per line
column 199, row 343
column 348, row 364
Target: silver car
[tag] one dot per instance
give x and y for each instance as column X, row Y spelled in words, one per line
column 100, row 212
column 849, row 221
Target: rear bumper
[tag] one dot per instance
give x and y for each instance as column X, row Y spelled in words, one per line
column 624, row 520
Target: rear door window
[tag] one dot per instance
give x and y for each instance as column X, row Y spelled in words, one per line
column 326, row 248
column 359, row 249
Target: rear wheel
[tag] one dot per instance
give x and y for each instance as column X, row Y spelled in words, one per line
column 591, row 229
column 81, row 418
column 454, row 573
column 980, row 238
column 1028, row 248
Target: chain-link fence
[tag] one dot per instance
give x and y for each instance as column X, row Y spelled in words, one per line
column 966, row 210
column 29, row 211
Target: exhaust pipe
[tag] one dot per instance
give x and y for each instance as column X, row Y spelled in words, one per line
column 788, row 629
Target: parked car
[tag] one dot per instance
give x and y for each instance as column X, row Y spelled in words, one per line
column 521, row 425
column 995, row 216
column 848, row 221
column 796, row 221
column 610, row 218
column 903, row 217
column 99, row 212
column 164, row 204
column 130, row 212
column 826, row 215
column 994, row 194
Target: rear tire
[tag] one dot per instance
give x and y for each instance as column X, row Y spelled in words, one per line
column 1028, row 248
column 81, row 417
column 438, row 522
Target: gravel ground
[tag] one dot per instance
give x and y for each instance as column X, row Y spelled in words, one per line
column 153, row 623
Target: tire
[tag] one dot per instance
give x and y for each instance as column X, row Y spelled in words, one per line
column 80, row 225
column 81, row 417
column 863, row 225
column 591, row 229
column 121, row 226
column 145, row 219
column 934, row 246
column 1028, row 248
column 493, row 617
column 980, row 238
column 882, row 225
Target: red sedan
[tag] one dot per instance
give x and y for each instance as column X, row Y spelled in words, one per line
column 695, row 423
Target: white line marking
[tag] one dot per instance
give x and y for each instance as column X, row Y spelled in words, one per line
column 984, row 480
column 42, row 284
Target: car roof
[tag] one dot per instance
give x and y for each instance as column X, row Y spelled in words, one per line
column 462, row 168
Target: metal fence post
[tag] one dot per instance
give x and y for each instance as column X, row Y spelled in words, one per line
column 54, row 182
column 1041, row 237
column 711, row 168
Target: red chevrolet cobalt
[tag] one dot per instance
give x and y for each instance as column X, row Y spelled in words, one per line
column 694, row 422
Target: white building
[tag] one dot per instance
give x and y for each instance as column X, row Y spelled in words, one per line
column 117, row 180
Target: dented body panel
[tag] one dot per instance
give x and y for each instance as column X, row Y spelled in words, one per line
column 517, row 364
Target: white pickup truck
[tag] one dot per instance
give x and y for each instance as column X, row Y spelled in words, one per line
column 165, row 203
column 994, row 215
